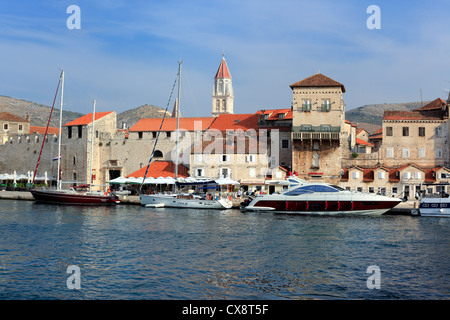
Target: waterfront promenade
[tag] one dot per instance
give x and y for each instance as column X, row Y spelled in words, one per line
column 404, row 208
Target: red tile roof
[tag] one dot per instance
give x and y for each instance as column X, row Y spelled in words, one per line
column 236, row 121
column 87, row 119
column 362, row 142
column 41, row 130
column 274, row 114
column 161, row 169
column 348, row 122
column 377, row 134
column 407, row 115
column 223, row 71
column 318, row 80
column 170, row 124
column 6, row 116
column 433, row 105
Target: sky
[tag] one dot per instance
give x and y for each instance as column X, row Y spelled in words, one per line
column 125, row 53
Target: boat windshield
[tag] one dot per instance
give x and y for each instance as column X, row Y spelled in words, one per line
column 312, row 189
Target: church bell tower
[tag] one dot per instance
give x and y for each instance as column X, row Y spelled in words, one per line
column 222, row 96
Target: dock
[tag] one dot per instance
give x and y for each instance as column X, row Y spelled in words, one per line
column 403, row 208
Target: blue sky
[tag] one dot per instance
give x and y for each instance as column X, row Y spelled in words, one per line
column 126, row 53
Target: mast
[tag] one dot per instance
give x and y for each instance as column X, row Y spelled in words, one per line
column 178, row 120
column 92, row 149
column 58, row 185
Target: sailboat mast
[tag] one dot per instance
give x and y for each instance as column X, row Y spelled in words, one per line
column 58, row 185
column 92, row 148
column 178, row 120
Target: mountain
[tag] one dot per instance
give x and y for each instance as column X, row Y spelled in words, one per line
column 39, row 113
column 130, row 117
column 370, row 116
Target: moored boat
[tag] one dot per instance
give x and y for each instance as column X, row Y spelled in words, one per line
column 72, row 197
column 322, row 198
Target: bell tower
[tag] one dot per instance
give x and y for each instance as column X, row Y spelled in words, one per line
column 222, row 96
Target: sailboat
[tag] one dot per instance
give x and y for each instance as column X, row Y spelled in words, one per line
column 70, row 196
column 180, row 199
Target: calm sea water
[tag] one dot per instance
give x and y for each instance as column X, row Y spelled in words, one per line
column 132, row 252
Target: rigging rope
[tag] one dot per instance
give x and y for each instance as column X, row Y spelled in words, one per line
column 46, row 130
column 159, row 131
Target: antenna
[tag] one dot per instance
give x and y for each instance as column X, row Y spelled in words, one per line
column 421, row 96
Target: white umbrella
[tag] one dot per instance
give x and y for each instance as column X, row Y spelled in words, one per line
column 226, row 181
column 149, row 180
column 134, row 180
column 118, row 180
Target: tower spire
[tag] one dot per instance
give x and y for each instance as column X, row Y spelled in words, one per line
column 222, row 97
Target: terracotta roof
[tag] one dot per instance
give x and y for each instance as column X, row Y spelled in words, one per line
column 407, row 115
column 170, row 124
column 274, row 114
column 161, row 169
column 236, row 121
column 348, row 122
column 433, row 105
column 362, row 142
column 41, row 130
column 6, row 116
column 318, row 80
column 223, row 71
column 377, row 134
column 87, row 119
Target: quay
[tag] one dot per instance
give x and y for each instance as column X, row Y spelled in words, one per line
column 403, row 208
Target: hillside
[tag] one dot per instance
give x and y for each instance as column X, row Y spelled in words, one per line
column 370, row 116
column 39, row 113
column 130, row 117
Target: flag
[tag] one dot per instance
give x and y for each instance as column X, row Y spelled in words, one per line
column 56, row 158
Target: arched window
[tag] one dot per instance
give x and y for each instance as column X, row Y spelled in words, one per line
column 158, row 154
column 315, row 159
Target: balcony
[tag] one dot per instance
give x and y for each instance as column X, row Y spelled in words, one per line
column 316, row 133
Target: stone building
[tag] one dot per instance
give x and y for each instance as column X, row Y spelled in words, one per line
column 318, row 135
column 12, row 125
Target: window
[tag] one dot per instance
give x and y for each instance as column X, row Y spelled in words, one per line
column 326, row 105
column 394, row 190
column 371, row 190
column 224, row 173
column 381, row 175
column 154, row 134
column 421, row 131
column 140, row 134
column 80, row 132
column 168, row 134
column 316, row 145
column 199, row 172
column 355, row 174
column 69, row 132
column 389, row 152
column 285, row 144
column 315, row 159
column 306, row 106
column 5, row 126
column 421, row 152
column 252, row 173
column 74, row 176
column 225, row 158
column 438, row 153
column 407, row 175
column 405, row 153
column 438, row 131
column 405, row 131
column 417, row 175
column 389, row 131
column 20, row 127
column 74, row 161
column 281, row 115
column 325, row 128
column 306, row 127
column 199, row 158
column 158, row 154
column 359, row 189
column 250, row 158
